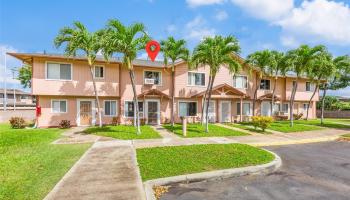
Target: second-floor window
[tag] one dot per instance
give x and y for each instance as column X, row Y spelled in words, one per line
column 59, row 71
column 196, row 79
column 309, row 86
column 265, row 84
column 240, row 81
column 99, row 72
column 153, row 77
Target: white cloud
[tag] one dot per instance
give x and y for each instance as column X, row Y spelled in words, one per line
column 11, row 63
column 171, row 28
column 144, row 56
column 221, row 15
column 319, row 20
column 265, row 9
column 289, row 41
column 198, row 29
column 195, row 3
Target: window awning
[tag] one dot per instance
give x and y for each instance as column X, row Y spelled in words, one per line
column 223, row 91
column 269, row 97
column 153, row 93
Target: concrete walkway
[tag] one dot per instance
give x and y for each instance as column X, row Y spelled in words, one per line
column 108, row 170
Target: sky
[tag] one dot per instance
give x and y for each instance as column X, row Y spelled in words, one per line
column 31, row 25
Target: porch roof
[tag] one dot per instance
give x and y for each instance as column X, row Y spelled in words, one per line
column 223, row 91
column 153, row 93
column 269, row 97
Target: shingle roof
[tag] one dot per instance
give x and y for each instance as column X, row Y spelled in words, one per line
column 10, row 91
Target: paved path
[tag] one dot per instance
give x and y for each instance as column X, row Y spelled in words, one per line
column 108, row 170
column 311, row 171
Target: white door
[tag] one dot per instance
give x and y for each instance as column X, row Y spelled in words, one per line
column 266, row 108
column 211, row 113
column 225, row 111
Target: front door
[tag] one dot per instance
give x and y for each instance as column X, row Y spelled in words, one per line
column 211, row 113
column 152, row 112
column 85, row 113
column 266, row 108
column 225, row 111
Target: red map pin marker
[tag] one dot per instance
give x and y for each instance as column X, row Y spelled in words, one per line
column 152, row 48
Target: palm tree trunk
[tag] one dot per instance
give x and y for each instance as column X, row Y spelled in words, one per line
column 97, row 104
column 205, row 97
column 273, row 95
column 308, row 105
column 255, row 94
column 136, row 103
column 208, row 101
column 172, row 94
column 292, row 103
column 323, row 99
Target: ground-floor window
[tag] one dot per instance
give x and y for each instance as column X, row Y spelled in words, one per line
column 187, row 109
column 305, row 105
column 59, row 106
column 246, row 108
column 129, row 108
column 110, row 107
column 285, row 107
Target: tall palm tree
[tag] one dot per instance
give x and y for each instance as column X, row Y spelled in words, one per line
column 215, row 52
column 277, row 68
column 126, row 40
column 173, row 50
column 260, row 60
column 298, row 59
column 78, row 38
column 320, row 69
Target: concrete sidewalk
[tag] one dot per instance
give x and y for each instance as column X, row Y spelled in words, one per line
column 108, row 170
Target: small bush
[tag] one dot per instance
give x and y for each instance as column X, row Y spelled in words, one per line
column 262, row 122
column 64, row 124
column 115, row 121
column 17, row 122
column 298, row 116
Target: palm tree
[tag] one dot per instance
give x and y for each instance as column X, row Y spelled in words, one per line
column 339, row 79
column 320, row 68
column 173, row 50
column 215, row 52
column 298, row 59
column 126, row 40
column 260, row 60
column 78, row 38
column 277, row 68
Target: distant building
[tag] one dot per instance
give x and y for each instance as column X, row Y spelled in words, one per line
column 343, row 99
column 23, row 99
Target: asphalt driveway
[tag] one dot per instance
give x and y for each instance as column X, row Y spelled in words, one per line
column 309, row 171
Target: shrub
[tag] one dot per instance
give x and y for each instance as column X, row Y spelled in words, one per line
column 298, row 116
column 115, row 121
column 17, row 122
column 64, row 124
column 262, row 122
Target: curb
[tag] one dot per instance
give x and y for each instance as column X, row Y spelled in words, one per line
column 303, row 141
column 212, row 175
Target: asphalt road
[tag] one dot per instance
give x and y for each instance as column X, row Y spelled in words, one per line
column 309, row 171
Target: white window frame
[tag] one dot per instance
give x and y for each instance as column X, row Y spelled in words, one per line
column 312, row 86
column 205, row 82
column 233, row 81
column 143, row 112
column 287, row 109
column 55, row 62
column 52, row 100
column 116, row 108
column 186, row 101
column 104, row 71
column 269, row 85
column 160, row 76
column 250, row 108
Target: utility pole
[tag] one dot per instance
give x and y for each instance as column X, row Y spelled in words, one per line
column 14, row 90
column 5, row 86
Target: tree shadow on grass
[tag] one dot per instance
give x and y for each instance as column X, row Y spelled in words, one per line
column 111, row 129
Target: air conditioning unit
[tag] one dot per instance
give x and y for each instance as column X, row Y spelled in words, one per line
column 149, row 81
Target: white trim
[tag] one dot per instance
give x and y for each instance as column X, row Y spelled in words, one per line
column 233, row 82
column 220, row 110
column 250, row 108
column 205, row 82
column 203, row 113
column 55, row 62
column 161, row 76
column 143, row 112
column 104, row 72
column 146, row 109
column 186, row 101
column 116, row 107
column 60, row 106
column 93, row 111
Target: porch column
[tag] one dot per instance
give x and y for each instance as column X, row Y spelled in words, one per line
column 241, row 114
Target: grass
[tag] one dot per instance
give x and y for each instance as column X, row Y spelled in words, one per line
column 172, row 161
column 343, row 121
column 247, row 127
column 197, row 130
column 327, row 123
column 346, row 135
column 29, row 165
column 283, row 126
column 124, row 132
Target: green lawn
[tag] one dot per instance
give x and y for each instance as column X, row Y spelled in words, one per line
column 346, row 135
column 247, row 127
column 197, row 130
column 343, row 121
column 172, row 161
column 124, row 132
column 327, row 123
column 29, row 165
column 284, row 126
